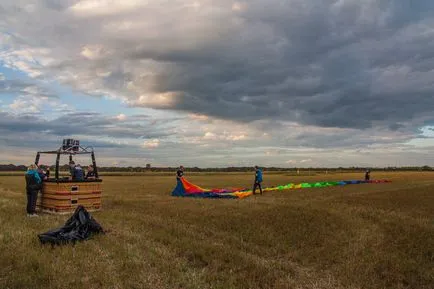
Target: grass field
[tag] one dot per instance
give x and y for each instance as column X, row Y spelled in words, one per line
column 355, row 236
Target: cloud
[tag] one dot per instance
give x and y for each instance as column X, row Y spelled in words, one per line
column 24, row 88
column 156, row 100
column 36, row 104
column 29, row 97
column 239, row 6
column 91, row 125
column 24, row 104
column 324, row 64
column 94, row 52
column 151, row 144
column 121, row 117
column 104, row 7
column 224, row 136
column 196, row 116
column 237, row 137
column 209, row 135
column 134, row 142
column 237, row 76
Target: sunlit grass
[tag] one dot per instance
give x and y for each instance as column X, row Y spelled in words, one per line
column 355, row 236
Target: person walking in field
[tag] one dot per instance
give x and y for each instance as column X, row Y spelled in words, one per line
column 180, row 173
column 367, row 175
column 258, row 180
column 33, row 185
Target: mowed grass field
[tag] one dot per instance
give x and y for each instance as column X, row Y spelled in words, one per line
column 354, row 236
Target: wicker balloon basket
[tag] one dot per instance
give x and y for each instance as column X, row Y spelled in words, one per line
column 63, row 194
column 65, row 197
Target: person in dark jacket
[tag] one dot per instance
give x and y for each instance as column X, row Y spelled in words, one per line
column 78, row 173
column 258, row 180
column 90, row 175
column 33, row 185
column 180, row 173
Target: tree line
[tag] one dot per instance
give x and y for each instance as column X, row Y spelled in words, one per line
column 11, row 168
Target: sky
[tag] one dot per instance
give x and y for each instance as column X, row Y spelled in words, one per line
column 287, row 83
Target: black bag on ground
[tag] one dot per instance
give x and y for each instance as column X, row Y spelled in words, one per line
column 81, row 226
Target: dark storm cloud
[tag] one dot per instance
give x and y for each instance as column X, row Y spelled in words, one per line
column 347, row 63
column 334, row 65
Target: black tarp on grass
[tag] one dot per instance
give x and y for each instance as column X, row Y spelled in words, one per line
column 81, row 226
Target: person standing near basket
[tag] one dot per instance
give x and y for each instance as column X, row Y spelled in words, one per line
column 33, row 186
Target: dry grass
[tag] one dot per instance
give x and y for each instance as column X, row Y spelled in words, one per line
column 357, row 236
